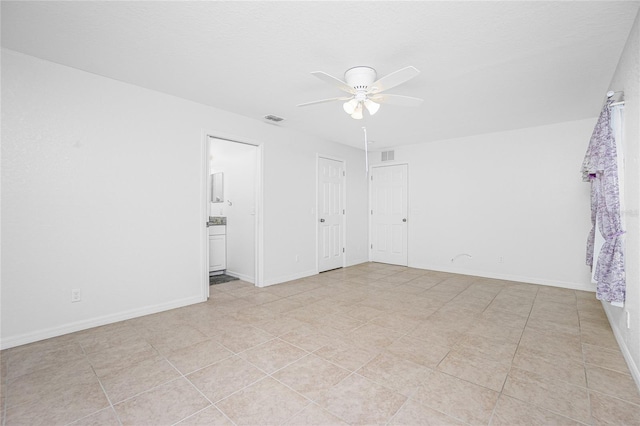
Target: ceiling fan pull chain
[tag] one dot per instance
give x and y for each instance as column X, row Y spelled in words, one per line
column 366, row 153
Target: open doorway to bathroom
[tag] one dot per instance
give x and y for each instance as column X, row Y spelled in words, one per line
column 233, row 194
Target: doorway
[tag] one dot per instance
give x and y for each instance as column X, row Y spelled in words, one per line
column 331, row 213
column 233, row 198
column 389, row 214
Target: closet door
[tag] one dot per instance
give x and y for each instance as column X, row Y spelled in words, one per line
column 330, row 214
column 389, row 214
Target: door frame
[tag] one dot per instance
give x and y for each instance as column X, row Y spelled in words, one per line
column 344, row 204
column 205, row 190
column 369, row 180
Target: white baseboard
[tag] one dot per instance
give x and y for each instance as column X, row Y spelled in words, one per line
column 243, row 277
column 356, row 262
column 285, row 278
column 508, row 277
column 299, row 275
column 633, row 367
column 47, row 333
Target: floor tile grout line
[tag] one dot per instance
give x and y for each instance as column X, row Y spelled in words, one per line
column 351, row 373
column 211, row 403
column 5, row 380
column 615, row 397
column 147, row 390
column 288, row 419
column 198, row 412
column 402, row 406
column 311, row 401
column 281, row 368
column 529, row 402
column 513, row 357
column 430, row 407
column 241, row 389
column 584, row 363
column 4, row 402
column 383, row 384
column 84, row 357
column 162, row 357
column 613, row 370
column 208, row 365
column 104, row 391
column 545, row 409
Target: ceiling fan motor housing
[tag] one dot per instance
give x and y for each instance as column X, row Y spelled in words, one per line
column 360, row 78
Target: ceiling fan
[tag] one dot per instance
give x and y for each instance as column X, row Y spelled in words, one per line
column 365, row 92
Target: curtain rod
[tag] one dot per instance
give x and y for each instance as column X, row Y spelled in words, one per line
column 611, row 94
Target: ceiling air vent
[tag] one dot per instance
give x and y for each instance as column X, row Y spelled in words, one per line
column 273, row 118
column 387, row 155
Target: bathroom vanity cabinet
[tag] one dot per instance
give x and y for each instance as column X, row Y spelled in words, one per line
column 217, row 248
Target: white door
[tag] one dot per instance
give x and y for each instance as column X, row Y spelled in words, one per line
column 389, row 214
column 330, row 214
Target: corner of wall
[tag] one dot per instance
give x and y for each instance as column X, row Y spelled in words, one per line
column 633, row 367
column 285, row 278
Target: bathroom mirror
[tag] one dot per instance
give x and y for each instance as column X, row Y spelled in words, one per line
column 217, row 187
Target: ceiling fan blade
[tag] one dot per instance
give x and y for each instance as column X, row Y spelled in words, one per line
column 342, row 98
column 392, row 80
column 334, row 81
column 408, row 101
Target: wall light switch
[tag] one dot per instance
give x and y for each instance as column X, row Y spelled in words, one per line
column 76, row 296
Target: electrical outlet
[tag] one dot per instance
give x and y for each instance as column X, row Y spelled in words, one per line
column 76, row 296
column 500, row 259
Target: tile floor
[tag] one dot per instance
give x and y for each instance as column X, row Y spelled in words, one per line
column 370, row 344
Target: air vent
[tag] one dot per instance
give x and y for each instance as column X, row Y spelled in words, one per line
column 387, row 155
column 273, row 118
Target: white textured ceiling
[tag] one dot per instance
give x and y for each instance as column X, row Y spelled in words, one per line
column 485, row 66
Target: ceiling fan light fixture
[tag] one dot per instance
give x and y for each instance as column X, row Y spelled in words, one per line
column 357, row 114
column 372, row 107
column 350, row 106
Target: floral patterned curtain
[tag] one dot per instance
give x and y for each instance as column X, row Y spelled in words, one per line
column 601, row 169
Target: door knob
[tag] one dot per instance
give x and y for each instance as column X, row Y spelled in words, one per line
column 321, row 220
column 404, row 220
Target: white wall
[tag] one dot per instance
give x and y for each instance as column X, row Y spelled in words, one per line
column 290, row 216
column 101, row 191
column 239, row 163
column 515, row 196
column 627, row 79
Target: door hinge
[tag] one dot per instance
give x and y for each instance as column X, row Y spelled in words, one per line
column 344, row 173
column 371, row 245
column 371, row 177
column 343, row 211
column 343, row 249
column 371, row 211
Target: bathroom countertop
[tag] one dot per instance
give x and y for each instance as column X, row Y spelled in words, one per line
column 217, row 220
